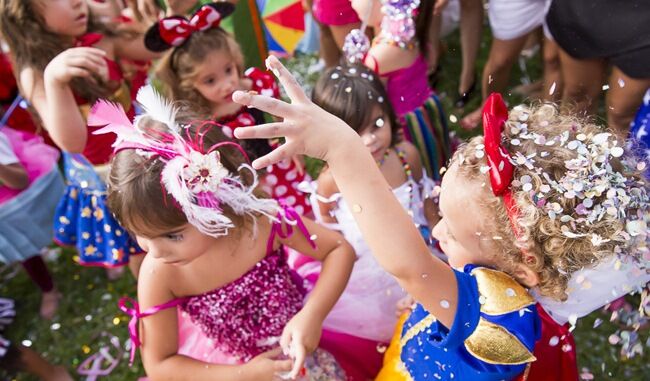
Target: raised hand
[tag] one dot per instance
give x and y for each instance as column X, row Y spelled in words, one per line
column 307, row 128
column 77, row 62
column 266, row 366
column 300, row 337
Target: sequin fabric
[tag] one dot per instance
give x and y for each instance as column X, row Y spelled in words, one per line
column 246, row 316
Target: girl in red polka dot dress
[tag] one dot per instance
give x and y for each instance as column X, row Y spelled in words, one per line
column 203, row 68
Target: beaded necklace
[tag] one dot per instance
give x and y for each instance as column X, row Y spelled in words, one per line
column 381, row 161
column 383, row 39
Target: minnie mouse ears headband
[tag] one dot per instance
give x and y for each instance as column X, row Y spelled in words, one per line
column 174, row 31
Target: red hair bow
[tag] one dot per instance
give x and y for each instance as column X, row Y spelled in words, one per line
column 176, row 30
column 495, row 115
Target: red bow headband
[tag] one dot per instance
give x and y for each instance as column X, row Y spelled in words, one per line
column 174, row 31
column 495, row 115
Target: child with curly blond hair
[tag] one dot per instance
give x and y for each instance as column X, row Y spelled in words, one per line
column 535, row 201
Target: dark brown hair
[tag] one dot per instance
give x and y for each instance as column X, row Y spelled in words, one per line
column 423, row 21
column 138, row 199
column 351, row 92
column 177, row 69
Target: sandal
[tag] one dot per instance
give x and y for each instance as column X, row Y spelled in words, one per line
column 93, row 366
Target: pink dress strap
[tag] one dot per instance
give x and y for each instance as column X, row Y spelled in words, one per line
column 286, row 219
column 136, row 315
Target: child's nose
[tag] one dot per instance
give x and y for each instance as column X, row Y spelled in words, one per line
column 368, row 139
column 438, row 232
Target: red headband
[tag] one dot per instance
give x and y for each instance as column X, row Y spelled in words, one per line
column 495, row 115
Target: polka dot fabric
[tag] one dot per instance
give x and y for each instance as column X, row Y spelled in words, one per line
column 282, row 179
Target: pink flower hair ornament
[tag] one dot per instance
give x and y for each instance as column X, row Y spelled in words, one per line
column 192, row 175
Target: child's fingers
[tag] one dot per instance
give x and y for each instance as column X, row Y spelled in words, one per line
column 89, row 50
column 285, row 341
column 80, row 72
column 288, row 81
column 267, row 104
column 298, row 359
column 282, row 365
column 263, row 131
column 275, row 156
column 299, row 164
column 271, row 354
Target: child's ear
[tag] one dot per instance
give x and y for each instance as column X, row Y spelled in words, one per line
column 526, row 276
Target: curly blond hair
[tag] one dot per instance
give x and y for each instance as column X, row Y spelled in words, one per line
column 577, row 200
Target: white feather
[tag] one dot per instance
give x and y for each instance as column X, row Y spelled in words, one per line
column 157, row 107
column 230, row 191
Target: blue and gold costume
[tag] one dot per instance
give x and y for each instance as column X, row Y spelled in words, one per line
column 492, row 337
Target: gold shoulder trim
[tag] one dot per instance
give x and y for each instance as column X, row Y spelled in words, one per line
column 417, row 328
column 499, row 293
column 495, row 345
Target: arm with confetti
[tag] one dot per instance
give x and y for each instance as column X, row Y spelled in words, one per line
column 387, row 228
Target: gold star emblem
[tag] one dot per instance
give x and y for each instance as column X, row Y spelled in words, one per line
column 85, row 235
column 86, row 212
column 73, row 193
column 64, row 220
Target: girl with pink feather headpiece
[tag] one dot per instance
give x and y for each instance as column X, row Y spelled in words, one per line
column 215, row 287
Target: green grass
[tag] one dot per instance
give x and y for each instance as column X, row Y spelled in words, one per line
column 90, row 303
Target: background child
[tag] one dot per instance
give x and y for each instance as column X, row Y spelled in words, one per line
column 60, row 73
column 397, row 55
column 200, row 225
column 203, row 69
column 534, row 222
column 18, row 358
column 30, row 187
column 371, row 291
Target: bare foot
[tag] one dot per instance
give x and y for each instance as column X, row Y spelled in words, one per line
column 59, row 373
column 531, row 90
column 114, row 273
column 49, row 304
column 471, row 120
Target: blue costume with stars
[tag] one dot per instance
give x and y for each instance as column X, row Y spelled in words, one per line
column 83, row 220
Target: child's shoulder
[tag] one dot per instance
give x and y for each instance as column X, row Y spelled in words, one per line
column 496, row 324
column 386, row 58
column 154, row 272
column 326, row 184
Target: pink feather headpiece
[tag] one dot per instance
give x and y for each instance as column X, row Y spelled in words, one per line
column 192, row 175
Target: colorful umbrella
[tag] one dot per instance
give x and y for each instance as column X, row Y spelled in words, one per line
column 283, row 22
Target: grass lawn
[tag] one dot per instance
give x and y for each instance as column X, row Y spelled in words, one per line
column 89, row 307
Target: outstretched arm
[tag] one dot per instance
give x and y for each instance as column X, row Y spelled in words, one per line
column 386, row 227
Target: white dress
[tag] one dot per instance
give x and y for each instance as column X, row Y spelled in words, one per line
column 367, row 307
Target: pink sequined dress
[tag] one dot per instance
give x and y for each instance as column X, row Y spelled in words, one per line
column 236, row 322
